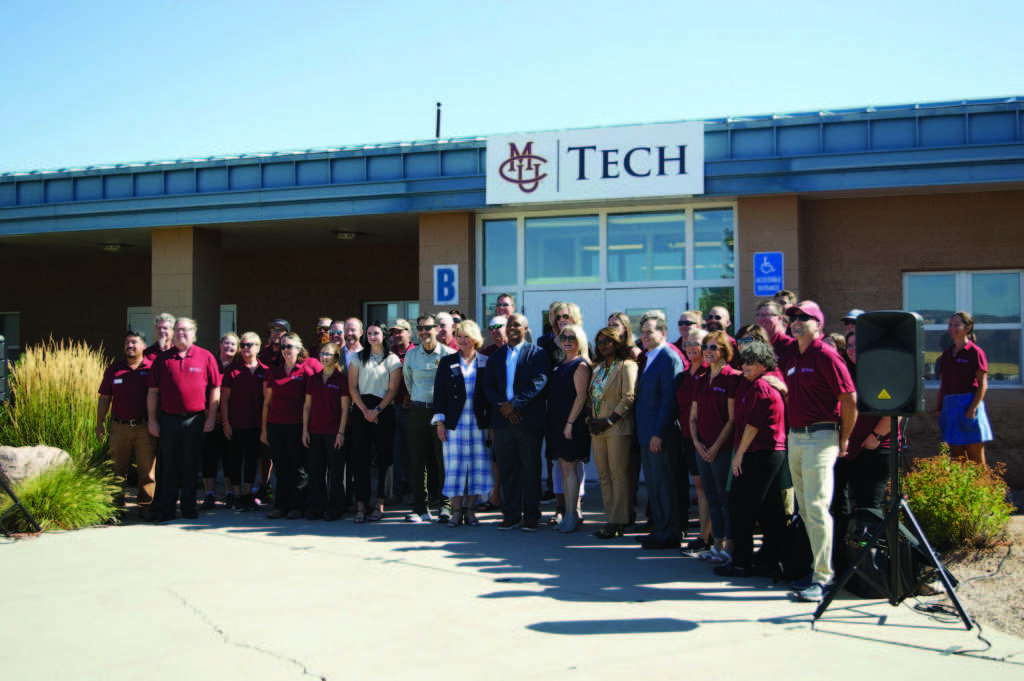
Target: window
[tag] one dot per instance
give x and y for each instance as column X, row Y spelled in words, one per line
column 647, row 247
column 385, row 311
column 10, row 329
column 499, row 253
column 993, row 299
column 714, row 244
column 562, row 250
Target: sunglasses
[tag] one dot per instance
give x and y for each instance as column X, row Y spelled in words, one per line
column 803, row 318
column 706, row 346
column 335, row 333
column 425, row 327
column 747, row 339
column 686, row 322
column 563, row 316
column 714, row 316
column 565, row 338
column 495, row 327
column 289, row 347
column 248, row 345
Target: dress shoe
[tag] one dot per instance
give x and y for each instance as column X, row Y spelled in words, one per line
column 508, row 524
column 530, row 525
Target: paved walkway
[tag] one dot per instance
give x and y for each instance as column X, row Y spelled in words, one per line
column 235, row 596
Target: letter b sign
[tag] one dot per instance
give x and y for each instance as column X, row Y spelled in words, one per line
column 446, row 284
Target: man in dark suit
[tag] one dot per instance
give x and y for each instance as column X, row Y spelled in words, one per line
column 515, row 378
column 657, row 432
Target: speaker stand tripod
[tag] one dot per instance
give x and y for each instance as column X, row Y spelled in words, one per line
column 6, row 484
column 890, row 527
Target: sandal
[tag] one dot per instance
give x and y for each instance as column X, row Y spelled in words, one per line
column 721, row 558
column 456, row 518
column 471, row 519
column 558, row 517
column 375, row 516
column 360, row 516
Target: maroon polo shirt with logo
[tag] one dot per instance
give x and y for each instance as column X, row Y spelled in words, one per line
column 151, row 352
column 183, row 379
column 815, row 379
column 245, row 408
column 325, row 401
column 712, row 396
column 127, row 388
column 684, row 397
column 761, row 406
column 288, row 391
column 958, row 371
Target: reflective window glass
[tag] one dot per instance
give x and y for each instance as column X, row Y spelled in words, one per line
column 707, row 297
column 1002, row 350
column 562, row 250
column 933, row 296
column 935, row 342
column 995, row 297
column 499, row 253
column 714, row 242
column 647, row 247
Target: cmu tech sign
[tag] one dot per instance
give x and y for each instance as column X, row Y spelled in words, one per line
column 602, row 163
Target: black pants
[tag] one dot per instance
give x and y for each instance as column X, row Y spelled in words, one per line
column 289, row 458
column 245, row 455
column 426, row 458
column 217, row 451
column 177, row 462
column 517, row 452
column 756, row 496
column 326, row 468
column 367, row 436
column 861, row 481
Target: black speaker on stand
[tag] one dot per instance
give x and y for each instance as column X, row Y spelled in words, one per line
column 890, row 382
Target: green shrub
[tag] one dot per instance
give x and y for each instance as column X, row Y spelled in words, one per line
column 62, row 498
column 959, row 503
column 53, row 398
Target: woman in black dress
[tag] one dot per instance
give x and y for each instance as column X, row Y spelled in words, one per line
column 568, row 437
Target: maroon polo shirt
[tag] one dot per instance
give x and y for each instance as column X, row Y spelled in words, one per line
column 127, row 389
column 958, row 371
column 815, row 380
column 325, row 401
column 684, row 396
column 268, row 356
column 183, row 380
column 761, row 406
column 864, row 426
column 151, row 352
column 712, row 396
column 245, row 407
column 289, row 391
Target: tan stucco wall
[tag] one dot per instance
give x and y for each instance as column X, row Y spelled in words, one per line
column 448, row 239
column 766, row 224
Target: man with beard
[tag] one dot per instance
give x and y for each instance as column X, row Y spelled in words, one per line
column 514, row 383
column 353, row 332
column 124, row 388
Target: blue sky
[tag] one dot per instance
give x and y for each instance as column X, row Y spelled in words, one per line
column 115, row 81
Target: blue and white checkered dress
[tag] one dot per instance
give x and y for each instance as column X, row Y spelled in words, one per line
column 467, row 462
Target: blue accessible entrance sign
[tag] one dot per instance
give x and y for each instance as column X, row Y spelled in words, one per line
column 768, row 278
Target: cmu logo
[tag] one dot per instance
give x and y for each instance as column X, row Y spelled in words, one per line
column 523, row 168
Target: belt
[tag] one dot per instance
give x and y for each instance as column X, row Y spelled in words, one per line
column 815, row 428
column 424, row 405
column 132, row 423
column 185, row 415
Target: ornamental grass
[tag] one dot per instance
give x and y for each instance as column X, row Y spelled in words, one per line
column 52, row 401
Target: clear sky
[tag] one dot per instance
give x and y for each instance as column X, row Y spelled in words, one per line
column 115, row 81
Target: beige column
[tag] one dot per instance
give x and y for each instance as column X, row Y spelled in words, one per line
column 448, row 239
column 186, row 278
column 767, row 224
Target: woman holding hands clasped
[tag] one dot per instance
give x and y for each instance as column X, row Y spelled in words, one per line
column 568, row 437
column 462, row 417
column 963, row 372
column 611, row 397
column 324, row 418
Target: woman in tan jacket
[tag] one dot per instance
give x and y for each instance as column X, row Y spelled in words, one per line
column 611, row 396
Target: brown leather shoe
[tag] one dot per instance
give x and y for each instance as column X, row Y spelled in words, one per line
column 508, row 524
column 530, row 525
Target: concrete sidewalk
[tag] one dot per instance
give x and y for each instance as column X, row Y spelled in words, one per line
column 235, row 596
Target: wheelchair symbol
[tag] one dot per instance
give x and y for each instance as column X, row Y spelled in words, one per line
column 766, row 266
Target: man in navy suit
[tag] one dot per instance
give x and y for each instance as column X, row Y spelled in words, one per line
column 515, row 378
column 656, row 430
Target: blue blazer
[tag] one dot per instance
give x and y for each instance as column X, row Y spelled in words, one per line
column 531, row 376
column 450, row 391
column 656, row 397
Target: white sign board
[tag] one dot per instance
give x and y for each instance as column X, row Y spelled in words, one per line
column 666, row 159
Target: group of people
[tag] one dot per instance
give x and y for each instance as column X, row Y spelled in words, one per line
column 764, row 423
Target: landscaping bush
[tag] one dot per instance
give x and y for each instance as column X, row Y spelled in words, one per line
column 52, row 401
column 62, row 498
column 959, row 503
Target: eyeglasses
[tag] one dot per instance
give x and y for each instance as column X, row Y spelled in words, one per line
column 714, row 316
column 247, row 345
column 289, row 347
column 747, row 339
column 565, row 338
column 803, row 318
column 706, row 346
column 425, row 327
column 335, row 333
column 495, row 327
column 686, row 322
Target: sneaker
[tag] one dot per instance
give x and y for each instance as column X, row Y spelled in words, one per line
column 802, row 583
column 694, row 548
column 812, row 594
column 229, row 500
column 209, row 502
column 419, row 518
column 508, row 524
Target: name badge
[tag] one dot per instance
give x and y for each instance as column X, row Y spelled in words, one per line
column 118, row 381
column 792, row 370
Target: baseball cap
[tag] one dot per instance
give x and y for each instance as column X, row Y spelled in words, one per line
column 399, row 324
column 283, row 323
column 852, row 314
column 807, row 307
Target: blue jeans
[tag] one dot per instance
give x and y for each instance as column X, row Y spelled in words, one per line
column 715, row 476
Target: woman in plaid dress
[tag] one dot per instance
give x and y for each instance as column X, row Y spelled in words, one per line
column 462, row 416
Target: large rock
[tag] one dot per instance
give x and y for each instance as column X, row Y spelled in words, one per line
column 20, row 463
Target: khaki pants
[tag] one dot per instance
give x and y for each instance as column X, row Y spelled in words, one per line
column 611, row 456
column 812, row 457
column 125, row 440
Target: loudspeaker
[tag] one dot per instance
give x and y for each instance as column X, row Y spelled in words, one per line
column 890, row 363
column 3, row 370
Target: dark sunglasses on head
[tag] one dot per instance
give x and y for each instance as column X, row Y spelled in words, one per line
column 706, row 346
column 425, row 327
column 565, row 338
